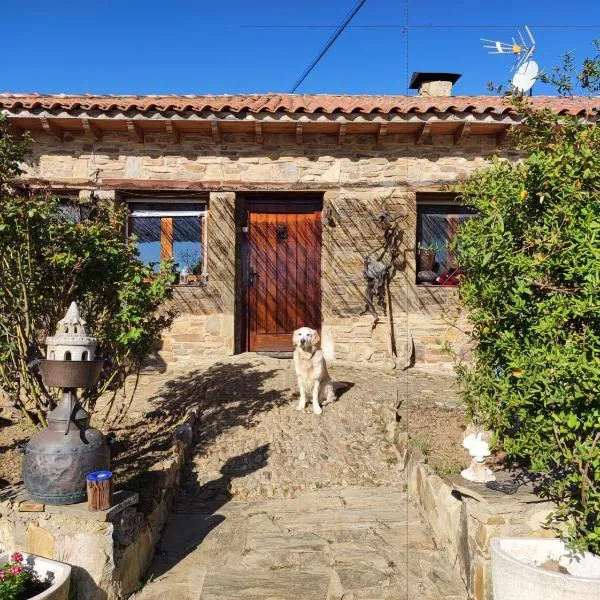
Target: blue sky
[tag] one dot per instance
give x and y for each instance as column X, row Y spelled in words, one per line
column 224, row 47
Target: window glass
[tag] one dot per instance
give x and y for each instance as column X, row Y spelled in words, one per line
column 187, row 243
column 147, row 231
column 69, row 211
column 437, row 227
column 171, row 231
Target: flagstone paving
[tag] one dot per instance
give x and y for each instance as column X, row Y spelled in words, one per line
column 280, row 504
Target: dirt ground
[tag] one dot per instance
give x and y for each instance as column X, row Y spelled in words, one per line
column 427, row 400
column 12, row 434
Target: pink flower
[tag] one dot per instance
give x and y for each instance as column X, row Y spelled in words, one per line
column 2, row 575
column 17, row 557
column 16, row 570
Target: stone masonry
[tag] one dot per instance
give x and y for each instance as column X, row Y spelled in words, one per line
column 358, row 179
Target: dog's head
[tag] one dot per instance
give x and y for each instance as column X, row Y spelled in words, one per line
column 306, row 338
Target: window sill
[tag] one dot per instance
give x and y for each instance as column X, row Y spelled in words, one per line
column 424, row 286
column 190, row 285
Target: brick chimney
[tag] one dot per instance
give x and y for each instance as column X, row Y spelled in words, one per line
column 433, row 84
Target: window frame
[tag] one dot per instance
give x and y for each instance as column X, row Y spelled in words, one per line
column 170, row 214
column 439, row 200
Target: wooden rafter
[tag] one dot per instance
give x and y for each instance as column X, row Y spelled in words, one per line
column 258, row 132
column 15, row 129
column 52, row 128
column 216, row 132
column 423, row 133
column 342, row 133
column 464, row 129
column 91, row 129
column 382, row 132
column 299, row 138
column 173, row 131
column 135, row 131
column 501, row 135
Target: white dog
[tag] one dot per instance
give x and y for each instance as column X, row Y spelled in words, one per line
column 311, row 369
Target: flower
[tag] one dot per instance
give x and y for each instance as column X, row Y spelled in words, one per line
column 17, row 557
column 17, row 570
column 2, row 575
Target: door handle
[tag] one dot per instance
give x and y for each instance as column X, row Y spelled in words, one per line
column 252, row 276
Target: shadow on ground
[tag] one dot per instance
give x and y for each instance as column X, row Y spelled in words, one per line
column 226, row 394
column 176, row 541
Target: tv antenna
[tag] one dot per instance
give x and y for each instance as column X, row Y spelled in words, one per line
column 526, row 69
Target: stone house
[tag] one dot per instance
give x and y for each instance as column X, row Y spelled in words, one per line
column 271, row 204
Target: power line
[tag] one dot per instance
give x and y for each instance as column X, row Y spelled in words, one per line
column 331, row 41
column 423, row 26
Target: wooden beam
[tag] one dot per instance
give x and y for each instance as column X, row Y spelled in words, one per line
column 173, row 131
column 423, row 133
column 299, row 138
column 501, row 135
column 166, row 238
column 342, row 133
column 216, row 133
column 91, row 129
column 15, row 129
column 52, row 128
column 258, row 132
column 382, row 132
column 464, row 129
column 135, row 131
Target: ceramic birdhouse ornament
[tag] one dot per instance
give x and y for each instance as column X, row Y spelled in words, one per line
column 72, row 340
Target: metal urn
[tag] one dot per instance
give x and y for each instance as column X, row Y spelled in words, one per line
column 57, row 459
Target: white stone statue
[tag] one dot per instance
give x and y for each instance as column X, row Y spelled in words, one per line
column 72, row 340
column 479, row 450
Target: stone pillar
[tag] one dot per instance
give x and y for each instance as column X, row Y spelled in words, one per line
column 221, row 259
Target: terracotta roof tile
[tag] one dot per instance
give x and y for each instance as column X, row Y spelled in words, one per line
column 292, row 103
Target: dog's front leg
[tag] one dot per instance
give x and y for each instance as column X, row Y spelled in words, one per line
column 302, row 402
column 315, row 398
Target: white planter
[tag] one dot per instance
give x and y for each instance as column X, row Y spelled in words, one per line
column 59, row 590
column 516, row 572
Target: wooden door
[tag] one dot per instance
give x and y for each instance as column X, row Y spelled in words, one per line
column 283, row 275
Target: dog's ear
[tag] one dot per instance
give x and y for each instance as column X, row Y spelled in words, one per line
column 296, row 337
column 315, row 338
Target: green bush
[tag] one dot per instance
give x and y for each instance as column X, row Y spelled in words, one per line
column 46, row 261
column 532, row 259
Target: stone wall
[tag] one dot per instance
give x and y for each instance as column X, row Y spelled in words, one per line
column 318, row 161
column 464, row 517
column 111, row 550
column 359, row 179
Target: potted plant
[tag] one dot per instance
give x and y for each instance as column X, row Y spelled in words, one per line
column 544, row 569
column 29, row 577
column 426, row 254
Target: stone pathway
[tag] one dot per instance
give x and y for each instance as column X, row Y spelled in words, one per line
column 279, row 505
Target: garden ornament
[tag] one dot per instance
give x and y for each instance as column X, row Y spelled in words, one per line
column 380, row 265
column 479, row 450
column 57, row 459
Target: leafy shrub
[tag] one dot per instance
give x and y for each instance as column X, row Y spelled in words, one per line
column 532, row 259
column 46, row 261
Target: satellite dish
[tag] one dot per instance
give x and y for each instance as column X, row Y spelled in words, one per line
column 526, row 70
column 525, row 76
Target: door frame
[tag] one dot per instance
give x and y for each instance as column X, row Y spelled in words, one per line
column 283, row 202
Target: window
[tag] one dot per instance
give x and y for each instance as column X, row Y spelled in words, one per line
column 437, row 226
column 70, row 209
column 171, row 230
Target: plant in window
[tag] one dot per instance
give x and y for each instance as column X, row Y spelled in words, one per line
column 427, row 253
